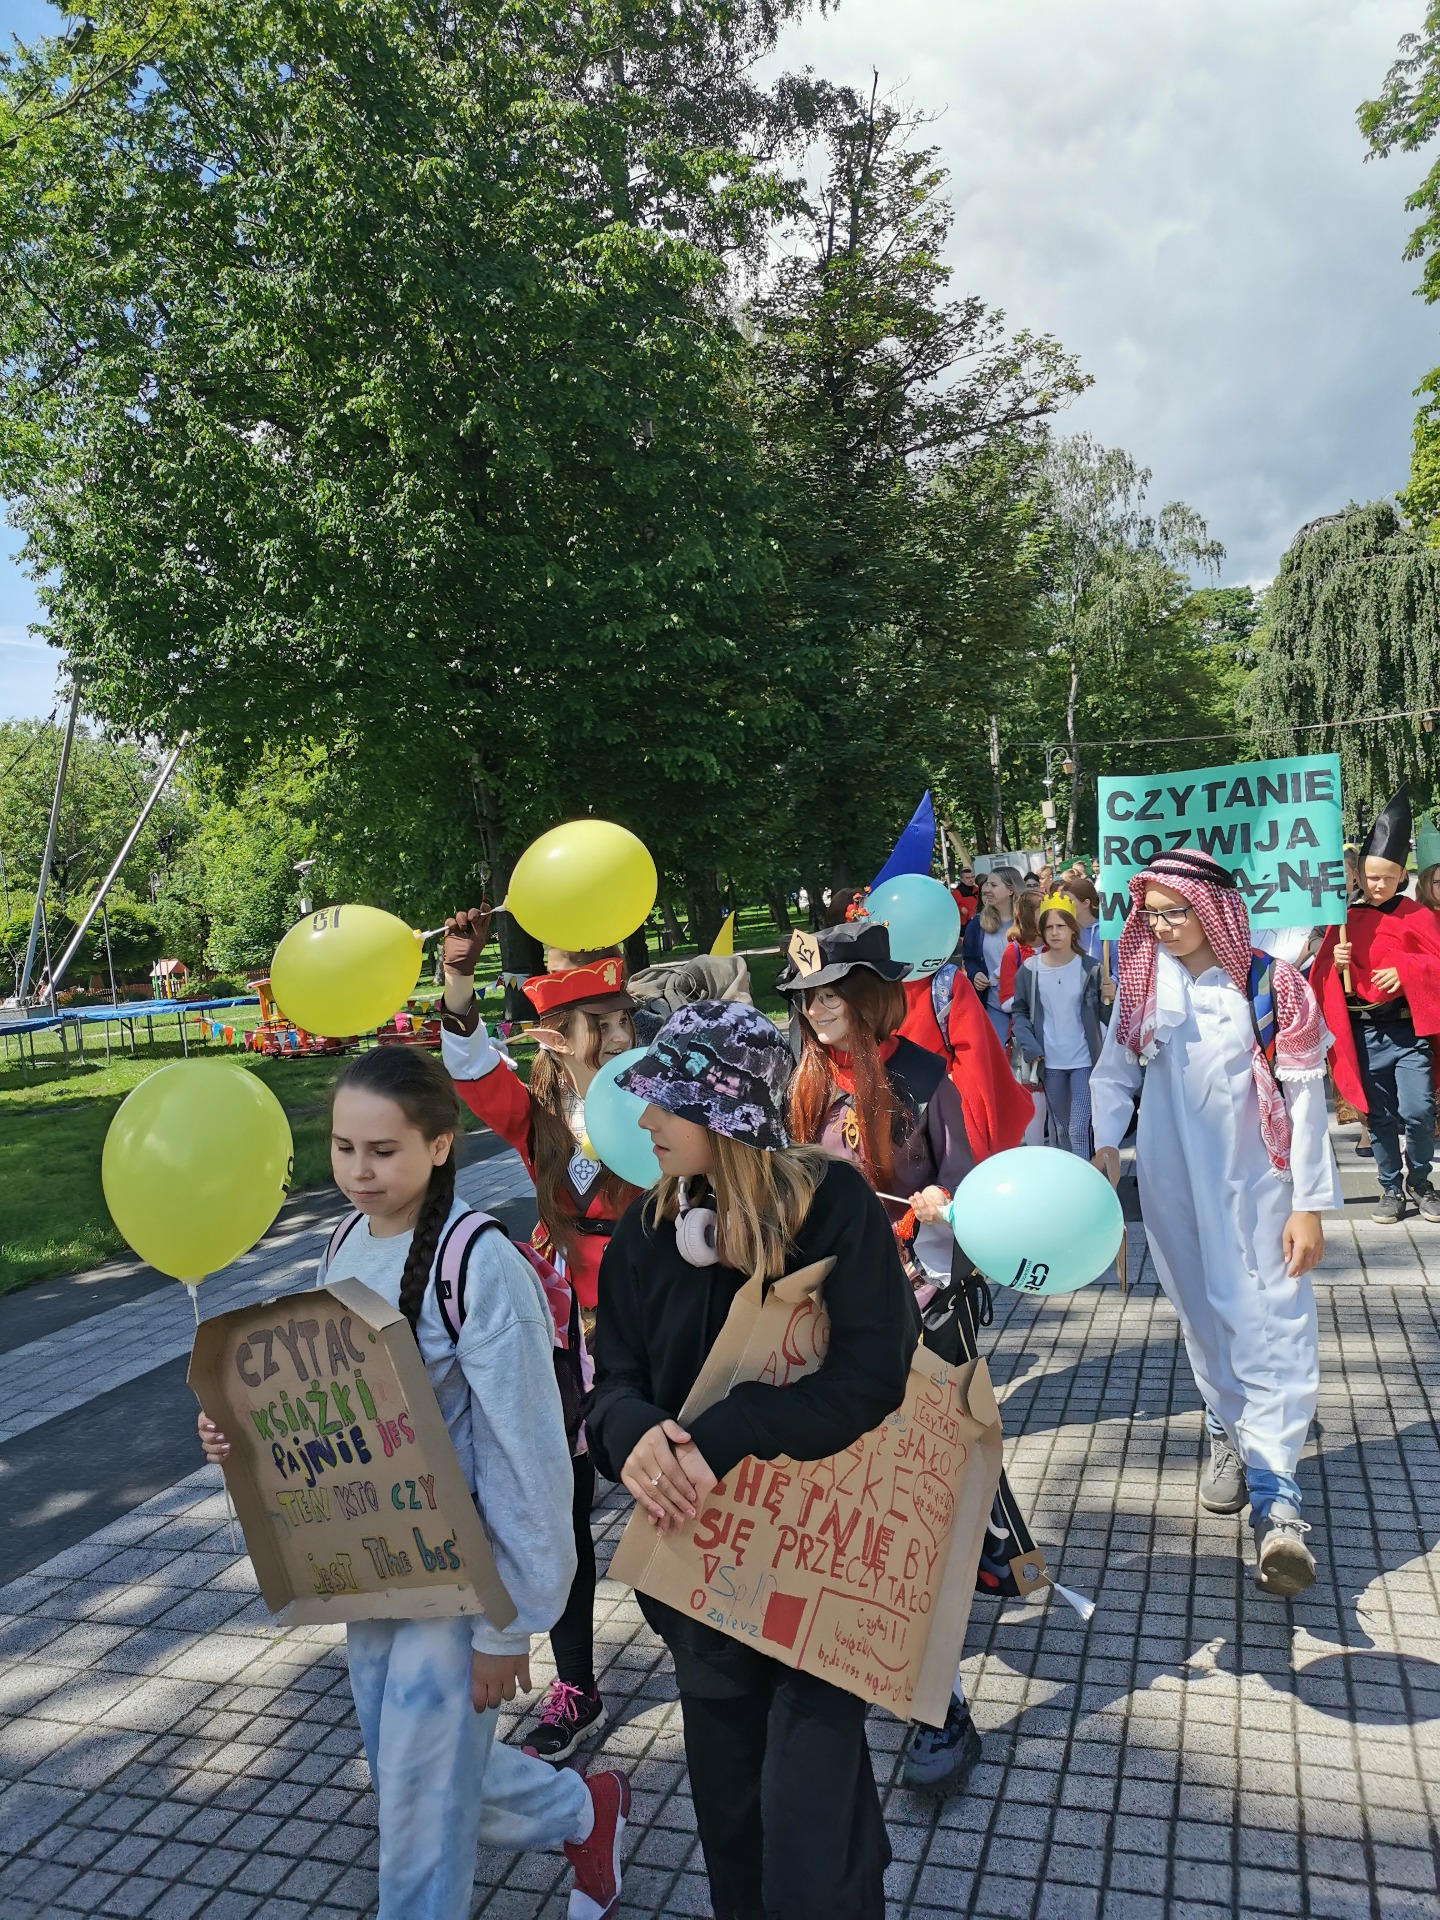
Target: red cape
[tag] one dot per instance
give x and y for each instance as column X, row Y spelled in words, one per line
column 1408, row 939
column 996, row 1110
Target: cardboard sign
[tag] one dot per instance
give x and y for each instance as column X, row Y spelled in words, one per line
column 859, row 1569
column 1275, row 823
column 342, row 1471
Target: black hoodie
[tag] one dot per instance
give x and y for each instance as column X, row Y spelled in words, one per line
column 659, row 1317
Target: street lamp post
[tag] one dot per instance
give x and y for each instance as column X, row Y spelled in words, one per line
column 1047, row 806
column 307, row 905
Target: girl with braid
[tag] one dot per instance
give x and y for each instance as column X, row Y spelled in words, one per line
column 428, row 1692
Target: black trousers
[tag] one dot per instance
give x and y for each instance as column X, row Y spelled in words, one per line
column 785, row 1799
column 572, row 1638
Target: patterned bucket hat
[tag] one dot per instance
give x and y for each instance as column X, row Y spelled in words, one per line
column 723, row 1065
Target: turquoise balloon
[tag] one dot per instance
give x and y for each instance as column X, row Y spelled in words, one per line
column 923, row 919
column 612, row 1124
column 1037, row 1219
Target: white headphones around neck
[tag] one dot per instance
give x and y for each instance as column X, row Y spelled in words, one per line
column 695, row 1232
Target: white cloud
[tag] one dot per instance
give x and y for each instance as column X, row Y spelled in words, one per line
column 1177, row 189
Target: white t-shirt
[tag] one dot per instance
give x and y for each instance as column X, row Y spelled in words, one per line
column 1060, row 991
column 993, row 947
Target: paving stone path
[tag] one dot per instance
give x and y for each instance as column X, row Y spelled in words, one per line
column 1197, row 1749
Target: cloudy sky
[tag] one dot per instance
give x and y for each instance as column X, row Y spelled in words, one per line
column 1176, row 189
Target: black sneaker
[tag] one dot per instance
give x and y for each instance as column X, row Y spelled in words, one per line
column 1389, row 1209
column 568, row 1715
column 1427, row 1203
column 941, row 1759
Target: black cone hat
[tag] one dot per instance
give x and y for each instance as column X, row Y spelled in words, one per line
column 1389, row 838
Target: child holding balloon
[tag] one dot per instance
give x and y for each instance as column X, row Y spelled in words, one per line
column 1225, row 1051
column 587, row 1020
column 784, row 1794
column 427, row 1692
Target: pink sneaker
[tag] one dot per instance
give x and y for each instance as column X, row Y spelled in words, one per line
column 596, row 1861
column 568, row 1715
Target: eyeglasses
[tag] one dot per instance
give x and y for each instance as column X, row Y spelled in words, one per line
column 1165, row 916
column 825, row 998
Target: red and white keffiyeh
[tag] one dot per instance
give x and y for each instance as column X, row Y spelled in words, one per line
column 1300, row 1036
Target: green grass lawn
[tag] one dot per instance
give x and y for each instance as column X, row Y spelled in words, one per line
column 54, row 1116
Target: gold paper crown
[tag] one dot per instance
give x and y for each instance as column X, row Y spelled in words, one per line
column 1057, row 903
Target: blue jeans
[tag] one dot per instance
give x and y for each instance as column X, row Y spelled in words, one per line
column 1395, row 1073
column 1263, row 1484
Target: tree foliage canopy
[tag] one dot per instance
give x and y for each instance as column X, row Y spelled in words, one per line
column 1353, row 629
column 466, row 417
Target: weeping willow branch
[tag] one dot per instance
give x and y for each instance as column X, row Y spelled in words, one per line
column 1353, row 628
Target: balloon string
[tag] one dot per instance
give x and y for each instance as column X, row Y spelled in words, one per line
column 192, row 1287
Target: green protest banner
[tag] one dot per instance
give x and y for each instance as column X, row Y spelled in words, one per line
column 1274, row 823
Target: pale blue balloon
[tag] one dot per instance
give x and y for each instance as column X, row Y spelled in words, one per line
column 923, row 919
column 612, row 1124
column 1037, row 1219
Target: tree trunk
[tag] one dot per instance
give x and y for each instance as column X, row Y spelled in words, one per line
column 672, row 935
column 519, row 954
column 1071, row 698
column 702, row 899
column 779, row 911
column 637, row 950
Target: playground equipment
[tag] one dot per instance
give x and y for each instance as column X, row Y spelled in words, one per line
column 276, row 1037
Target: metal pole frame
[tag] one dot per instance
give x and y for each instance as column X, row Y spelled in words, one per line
column 49, row 855
column 162, row 779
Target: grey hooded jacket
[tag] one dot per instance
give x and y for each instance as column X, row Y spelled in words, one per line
column 1028, row 1019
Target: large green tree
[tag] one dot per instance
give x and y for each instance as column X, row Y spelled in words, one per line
column 1352, row 631
column 894, row 422
column 368, row 376
column 1404, row 117
column 106, row 785
column 1115, row 588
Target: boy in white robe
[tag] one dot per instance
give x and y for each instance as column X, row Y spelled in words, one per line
column 1235, row 1168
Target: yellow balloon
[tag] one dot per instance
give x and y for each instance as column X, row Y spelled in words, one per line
column 345, row 969
column 197, row 1161
column 586, row 884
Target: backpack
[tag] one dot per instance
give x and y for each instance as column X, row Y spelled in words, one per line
column 448, row 1275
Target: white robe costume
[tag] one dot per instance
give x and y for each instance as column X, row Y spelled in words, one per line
column 1215, row 1209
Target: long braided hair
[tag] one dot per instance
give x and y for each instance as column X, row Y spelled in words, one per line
column 422, row 1090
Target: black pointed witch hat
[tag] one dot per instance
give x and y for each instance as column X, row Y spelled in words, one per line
column 1389, row 837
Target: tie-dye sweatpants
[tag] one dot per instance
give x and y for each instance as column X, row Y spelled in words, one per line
column 443, row 1781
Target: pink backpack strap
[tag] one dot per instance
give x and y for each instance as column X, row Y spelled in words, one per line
column 450, row 1264
column 453, row 1260
column 338, row 1238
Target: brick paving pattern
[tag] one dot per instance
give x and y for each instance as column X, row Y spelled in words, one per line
column 1197, row 1749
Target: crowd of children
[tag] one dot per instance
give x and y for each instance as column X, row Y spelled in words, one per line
column 842, row 1144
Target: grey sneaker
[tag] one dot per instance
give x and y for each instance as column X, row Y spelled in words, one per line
column 1389, row 1209
column 1427, row 1203
column 941, row 1759
column 1284, row 1565
column 1222, row 1485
